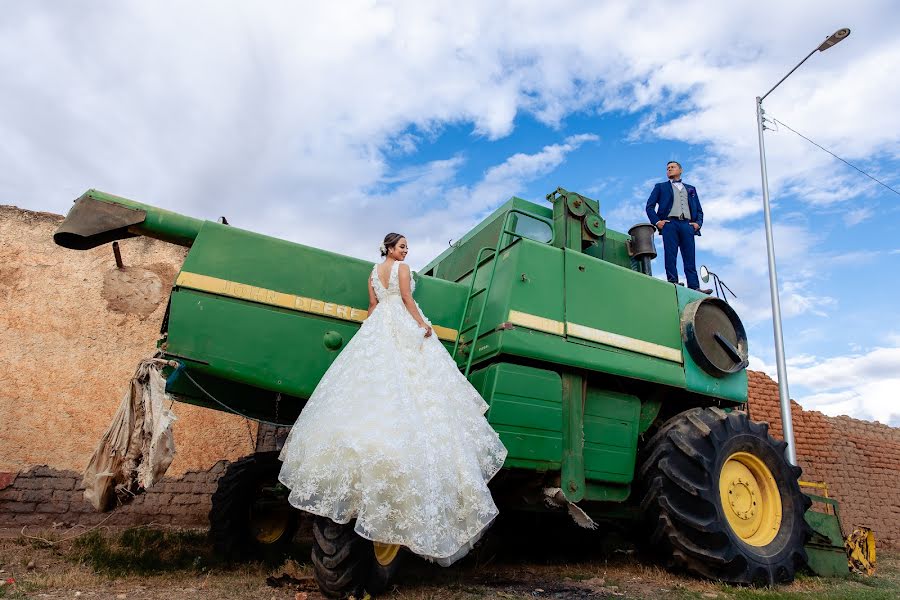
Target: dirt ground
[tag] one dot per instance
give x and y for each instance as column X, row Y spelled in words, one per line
column 159, row 564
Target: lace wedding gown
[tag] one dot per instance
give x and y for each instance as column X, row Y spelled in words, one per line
column 395, row 437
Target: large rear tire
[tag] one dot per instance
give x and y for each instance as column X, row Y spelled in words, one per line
column 346, row 564
column 721, row 501
column 251, row 518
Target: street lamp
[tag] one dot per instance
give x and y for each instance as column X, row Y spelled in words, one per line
column 783, row 394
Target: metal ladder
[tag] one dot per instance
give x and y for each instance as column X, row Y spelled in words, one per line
column 473, row 293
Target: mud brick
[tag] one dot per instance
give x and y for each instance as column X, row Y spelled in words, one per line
column 53, row 507
column 31, row 519
column 171, row 509
column 66, row 496
column 31, row 483
column 42, row 471
column 181, row 487
column 10, row 494
column 203, row 488
column 19, row 507
column 43, row 495
column 61, row 483
column 7, row 478
column 80, row 505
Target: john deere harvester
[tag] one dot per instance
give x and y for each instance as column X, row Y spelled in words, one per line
column 615, row 392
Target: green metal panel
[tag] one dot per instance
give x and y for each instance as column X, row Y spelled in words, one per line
column 554, row 349
column 249, row 400
column 526, row 410
column 269, row 347
column 610, row 435
column 612, row 249
column 458, row 260
column 528, row 278
column 535, row 277
column 731, row 387
column 276, row 348
column 643, row 308
column 825, row 549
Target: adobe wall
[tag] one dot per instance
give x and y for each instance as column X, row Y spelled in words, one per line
column 73, row 328
column 859, row 460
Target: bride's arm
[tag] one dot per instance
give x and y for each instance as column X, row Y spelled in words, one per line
column 406, row 294
column 373, row 299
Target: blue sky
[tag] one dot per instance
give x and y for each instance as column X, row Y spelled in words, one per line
column 332, row 124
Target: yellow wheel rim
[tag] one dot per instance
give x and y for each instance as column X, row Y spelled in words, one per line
column 385, row 553
column 269, row 520
column 268, row 528
column 750, row 499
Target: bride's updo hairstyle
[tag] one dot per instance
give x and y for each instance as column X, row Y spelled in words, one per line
column 390, row 240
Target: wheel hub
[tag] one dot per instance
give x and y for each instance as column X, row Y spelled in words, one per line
column 385, row 553
column 743, row 495
column 270, row 516
column 750, row 498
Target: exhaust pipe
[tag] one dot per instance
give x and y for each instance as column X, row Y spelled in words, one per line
column 641, row 247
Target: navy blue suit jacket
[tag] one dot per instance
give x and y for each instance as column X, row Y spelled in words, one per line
column 661, row 199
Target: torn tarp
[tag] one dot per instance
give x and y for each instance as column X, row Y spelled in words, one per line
column 138, row 446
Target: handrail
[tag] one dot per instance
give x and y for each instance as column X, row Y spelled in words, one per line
column 505, row 230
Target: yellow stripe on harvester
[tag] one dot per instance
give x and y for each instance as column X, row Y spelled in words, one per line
column 592, row 334
column 243, row 291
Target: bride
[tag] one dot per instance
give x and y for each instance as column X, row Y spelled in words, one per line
column 394, row 436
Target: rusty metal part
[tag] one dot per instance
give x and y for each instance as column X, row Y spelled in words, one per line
column 860, row 547
column 118, row 254
column 92, row 223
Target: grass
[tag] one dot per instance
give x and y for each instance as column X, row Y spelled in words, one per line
column 161, row 564
column 143, row 551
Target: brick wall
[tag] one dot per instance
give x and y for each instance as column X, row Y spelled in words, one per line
column 44, row 497
column 859, row 460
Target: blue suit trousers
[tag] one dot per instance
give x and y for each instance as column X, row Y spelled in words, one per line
column 679, row 235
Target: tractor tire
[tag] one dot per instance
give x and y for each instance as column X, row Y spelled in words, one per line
column 251, row 518
column 720, row 500
column 345, row 563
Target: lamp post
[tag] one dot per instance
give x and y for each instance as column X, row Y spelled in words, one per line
column 783, row 393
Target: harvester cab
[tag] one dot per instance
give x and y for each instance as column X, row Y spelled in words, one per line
column 610, row 388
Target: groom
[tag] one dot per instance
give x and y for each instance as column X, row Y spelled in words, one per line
column 674, row 208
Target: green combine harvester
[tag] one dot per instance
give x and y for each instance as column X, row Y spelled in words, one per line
column 612, row 390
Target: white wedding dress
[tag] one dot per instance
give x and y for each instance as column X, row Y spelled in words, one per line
column 395, row 437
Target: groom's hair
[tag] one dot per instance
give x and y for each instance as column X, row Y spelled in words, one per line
column 390, row 240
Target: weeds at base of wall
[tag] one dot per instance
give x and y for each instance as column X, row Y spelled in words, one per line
column 143, row 551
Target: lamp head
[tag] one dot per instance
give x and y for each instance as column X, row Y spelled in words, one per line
column 834, row 38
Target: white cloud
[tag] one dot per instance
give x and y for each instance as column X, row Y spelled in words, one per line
column 286, row 116
column 863, row 385
column 426, row 203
